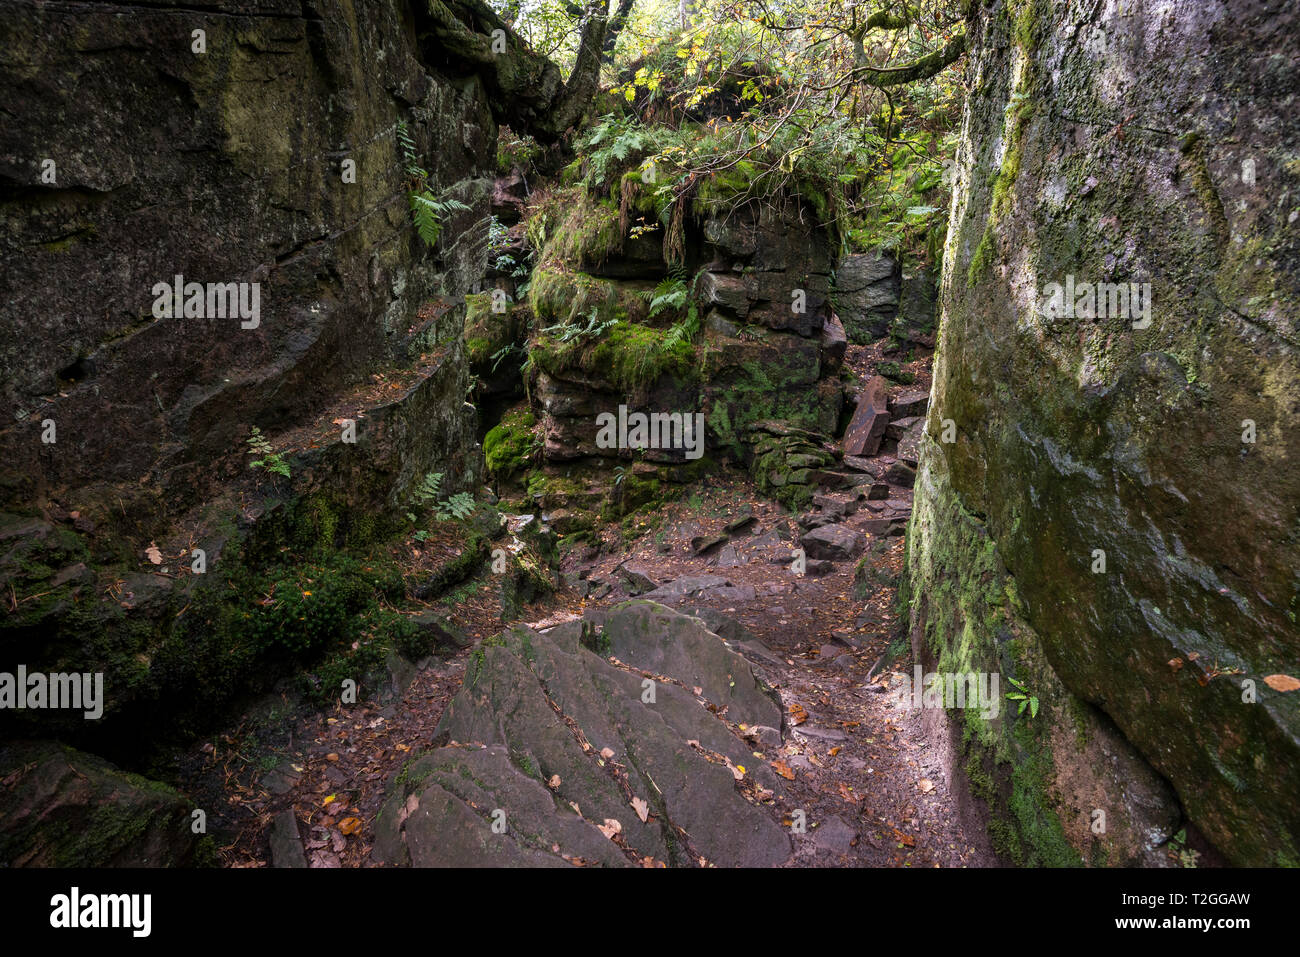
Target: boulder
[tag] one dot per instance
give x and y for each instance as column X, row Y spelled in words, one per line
column 870, row 419
column 835, row 542
column 60, row 807
column 866, row 294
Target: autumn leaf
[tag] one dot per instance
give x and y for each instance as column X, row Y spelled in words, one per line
column 350, row 825
column 926, row 785
column 554, row 782
column 606, row 753
column 610, row 828
column 797, row 714
column 783, row 769
column 1282, row 683
column 642, row 809
column 1176, row 663
column 329, row 800
column 153, row 554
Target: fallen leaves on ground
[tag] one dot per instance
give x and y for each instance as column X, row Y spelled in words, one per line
column 1282, row 683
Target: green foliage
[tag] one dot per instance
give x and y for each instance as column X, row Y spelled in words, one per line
column 610, row 144
column 1024, row 697
column 429, row 489
column 269, row 460
column 511, row 444
column 459, row 506
column 427, row 209
column 1185, row 855
column 574, row 332
column 427, row 494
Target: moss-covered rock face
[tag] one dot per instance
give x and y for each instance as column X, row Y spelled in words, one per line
column 247, row 184
column 1133, row 481
column 354, row 330
column 65, row 808
column 751, row 338
column 510, row 445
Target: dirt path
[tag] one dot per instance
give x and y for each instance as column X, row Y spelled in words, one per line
column 867, row 778
column 867, row 775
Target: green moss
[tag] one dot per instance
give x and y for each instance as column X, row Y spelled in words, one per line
column 583, row 231
column 893, row 371
column 510, row 445
column 631, row 356
column 1017, row 115
column 559, row 294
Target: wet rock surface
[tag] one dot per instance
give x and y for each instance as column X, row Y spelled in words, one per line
column 564, row 741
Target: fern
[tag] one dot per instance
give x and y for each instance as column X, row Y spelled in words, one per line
column 683, row 331
column 429, row 489
column 429, row 492
column 257, row 443
column 270, row 460
column 427, row 210
column 571, row 332
column 459, row 506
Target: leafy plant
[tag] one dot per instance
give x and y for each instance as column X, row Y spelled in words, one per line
column 429, row 489
column 427, row 209
column 270, row 460
column 459, row 506
column 573, row 332
column 1026, row 699
column 1184, row 855
column 673, row 294
column 429, row 493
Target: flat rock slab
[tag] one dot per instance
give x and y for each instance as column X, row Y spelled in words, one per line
column 653, row 638
column 286, row 843
column 521, row 781
column 833, row 542
column 910, row 404
column 870, row 419
column 686, row 586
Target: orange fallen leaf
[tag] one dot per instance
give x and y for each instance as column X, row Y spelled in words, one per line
column 783, row 769
column 642, row 809
column 350, row 825
column 926, row 785
column 1282, row 683
column 1176, row 663
column 797, row 714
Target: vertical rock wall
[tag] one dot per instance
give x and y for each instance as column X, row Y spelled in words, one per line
column 1136, row 142
column 214, row 141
